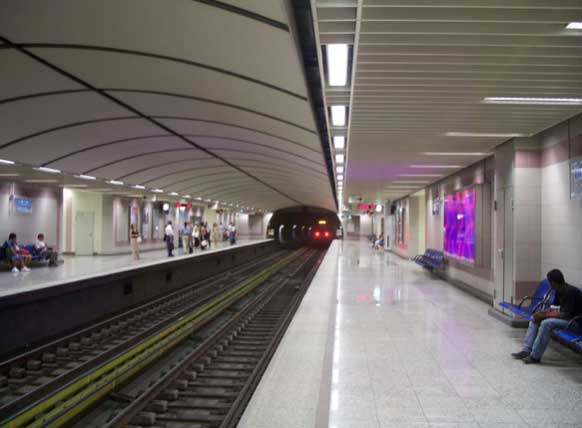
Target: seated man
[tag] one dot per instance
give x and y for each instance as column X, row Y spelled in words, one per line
column 378, row 243
column 538, row 334
column 45, row 252
column 17, row 257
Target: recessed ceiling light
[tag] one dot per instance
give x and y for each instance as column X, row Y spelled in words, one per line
column 339, row 142
column 338, row 115
column 339, row 169
column 337, row 64
column 139, row 186
column 157, row 191
column 435, row 166
column 533, row 101
column 485, row 134
column 41, row 181
column 574, row 26
column 115, row 182
column 420, row 175
column 7, row 162
column 339, row 158
column 49, row 170
column 454, row 154
column 86, row 177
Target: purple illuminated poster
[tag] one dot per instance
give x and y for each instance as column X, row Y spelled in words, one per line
column 459, row 230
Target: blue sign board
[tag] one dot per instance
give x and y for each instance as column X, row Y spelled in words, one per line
column 23, row 205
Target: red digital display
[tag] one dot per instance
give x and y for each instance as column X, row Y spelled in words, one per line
column 366, row 207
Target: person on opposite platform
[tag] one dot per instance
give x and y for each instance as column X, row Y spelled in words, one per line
column 134, row 240
column 41, row 249
column 18, row 258
column 537, row 338
column 169, row 238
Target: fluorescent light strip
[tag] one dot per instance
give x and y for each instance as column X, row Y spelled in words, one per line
column 139, row 186
column 574, row 26
column 157, row 191
column 41, row 181
column 10, row 174
column 198, row 198
column 187, row 196
column 7, row 162
column 173, row 194
column 338, row 115
column 49, row 170
column 339, row 169
column 339, row 142
column 420, row 175
column 337, row 64
column 435, row 166
column 410, row 182
column 533, row 101
column 485, row 134
column 86, row 177
column 115, row 182
column 455, row 154
column 340, row 177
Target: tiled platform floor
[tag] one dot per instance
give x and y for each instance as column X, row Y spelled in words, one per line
column 86, row 266
column 406, row 350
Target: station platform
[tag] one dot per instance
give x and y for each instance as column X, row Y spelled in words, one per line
column 378, row 342
column 77, row 268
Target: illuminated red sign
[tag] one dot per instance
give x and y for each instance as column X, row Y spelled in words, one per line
column 366, row 207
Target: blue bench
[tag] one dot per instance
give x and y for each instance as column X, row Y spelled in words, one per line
column 570, row 336
column 431, row 259
column 542, row 298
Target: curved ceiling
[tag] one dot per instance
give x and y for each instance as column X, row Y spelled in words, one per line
column 202, row 98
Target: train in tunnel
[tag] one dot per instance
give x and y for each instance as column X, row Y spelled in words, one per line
column 304, row 225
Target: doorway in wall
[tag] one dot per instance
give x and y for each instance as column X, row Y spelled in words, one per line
column 84, row 231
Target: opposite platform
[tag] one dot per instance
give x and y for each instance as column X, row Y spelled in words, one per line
column 380, row 343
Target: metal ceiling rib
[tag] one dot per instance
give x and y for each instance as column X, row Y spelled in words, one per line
column 136, row 102
column 421, row 68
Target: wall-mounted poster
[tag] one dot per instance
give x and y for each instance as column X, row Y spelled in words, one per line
column 576, row 178
column 23, row 205
column 459, row 230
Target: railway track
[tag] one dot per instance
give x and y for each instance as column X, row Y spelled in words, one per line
column 49, row 386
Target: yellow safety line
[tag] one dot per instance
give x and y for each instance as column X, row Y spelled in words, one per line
column 81, row 394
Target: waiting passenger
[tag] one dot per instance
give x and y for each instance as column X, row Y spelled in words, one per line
column 134, row 241
column 222, row 232
column 169, row 238
column 537, row 338
column 378, row 243
column 186, row 233
column 41, row 249
column 215, row 234
column 19, row 259
column 196, row 235
column 232, row 234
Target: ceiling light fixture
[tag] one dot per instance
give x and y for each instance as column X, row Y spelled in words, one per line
column 10, row 174
column 339, row 158
column 435, row 166
column 420, row 175
column 339, row 142
column 173, row 194
column 139, row 186
column 339, row 169
column 41, row 181
column 574, row 26
column 49, row 170
column 340, row 177
column 338, row 115
column 533, row 101
column 337, row 64
column 455, row 154
column 117, row 183
column 198, row 198
column 187, row 196
column 6, row 162
column 157, row 191
column 86, row 177
column 485, row 134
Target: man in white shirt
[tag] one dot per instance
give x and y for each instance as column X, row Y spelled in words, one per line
column 169, row 237
column 41, row 249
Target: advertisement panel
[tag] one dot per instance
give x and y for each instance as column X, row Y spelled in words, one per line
column 459, row 225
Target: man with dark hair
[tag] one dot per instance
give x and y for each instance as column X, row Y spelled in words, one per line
column 41, row 249
column 18, row 258
column 537, row 338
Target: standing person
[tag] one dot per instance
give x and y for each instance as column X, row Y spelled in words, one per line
column 188, row 235
column 540, row 328
column 169, row 237
column 134, row 240
column 17, row 257
column 196, row 235
column 48, row 253
column 233, row 234
column 203, row 236
column 222, row 232
column 215, row 235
